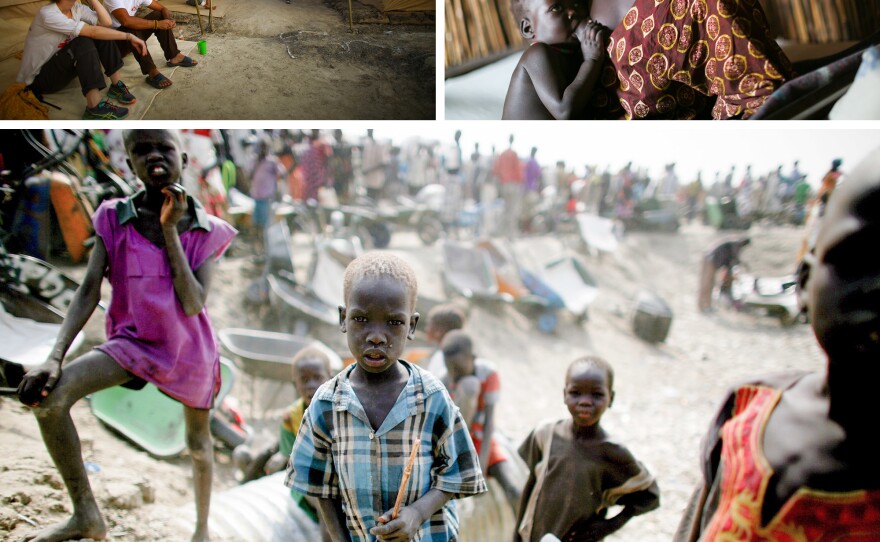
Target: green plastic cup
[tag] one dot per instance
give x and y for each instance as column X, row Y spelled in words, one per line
column 203, row 47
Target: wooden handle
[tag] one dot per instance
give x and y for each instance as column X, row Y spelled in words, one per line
column 407, row 472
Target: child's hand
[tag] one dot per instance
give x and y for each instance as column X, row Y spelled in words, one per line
column 402, row 529
column 593, row 37
column 38, row 382
column 174, row 206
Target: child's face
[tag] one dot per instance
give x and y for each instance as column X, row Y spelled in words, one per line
column 553, row 21
column 587, row 395
column 155, row 157
column 308, row 376
column 459, row 363
column 378, row 320
column 844, row 282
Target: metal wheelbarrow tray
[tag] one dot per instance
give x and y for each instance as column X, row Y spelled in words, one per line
column 263, row 354
column 468, row 271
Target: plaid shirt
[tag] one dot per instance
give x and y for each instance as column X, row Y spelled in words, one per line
column 337, row 455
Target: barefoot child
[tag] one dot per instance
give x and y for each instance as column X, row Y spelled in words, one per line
column 577, row 471
column 310, row 369
column 795, row 452
column 158, row 249
column 442, row 319
column 359, row 432
column 475, row 387
column 556, row 75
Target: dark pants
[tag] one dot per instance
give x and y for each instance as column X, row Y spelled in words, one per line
column 83, row 58
column 165, row 38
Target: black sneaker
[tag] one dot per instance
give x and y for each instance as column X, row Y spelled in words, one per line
column 121, row 94
column 105, row 111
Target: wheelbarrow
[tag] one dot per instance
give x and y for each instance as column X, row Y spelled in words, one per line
column 318, row 300
column 154, row 421
column 268, row 355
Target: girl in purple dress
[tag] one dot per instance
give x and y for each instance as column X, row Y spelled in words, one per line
column 158, row 250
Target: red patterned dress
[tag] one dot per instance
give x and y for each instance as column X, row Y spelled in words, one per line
column 690, row 59
column 808, row 516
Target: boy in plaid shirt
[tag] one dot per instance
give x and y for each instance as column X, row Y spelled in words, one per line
column 359, row 431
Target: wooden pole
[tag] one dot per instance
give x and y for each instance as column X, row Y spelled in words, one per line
column 199, row 16
column 407, row 471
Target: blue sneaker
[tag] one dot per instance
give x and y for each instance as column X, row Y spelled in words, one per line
column 121, row 94
column 105, row 111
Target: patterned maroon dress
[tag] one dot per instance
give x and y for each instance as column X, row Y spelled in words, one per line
column 690, row 59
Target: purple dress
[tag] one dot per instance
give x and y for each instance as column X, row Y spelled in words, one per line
column 148, row 333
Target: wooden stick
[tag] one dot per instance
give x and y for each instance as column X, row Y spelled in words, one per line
column 199, row 15
column 407, row 471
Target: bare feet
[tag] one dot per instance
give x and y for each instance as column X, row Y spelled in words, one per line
column 73, row 529
column 201, row 535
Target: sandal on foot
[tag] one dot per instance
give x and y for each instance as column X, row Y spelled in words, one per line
column 157, row 81
column 187, row 62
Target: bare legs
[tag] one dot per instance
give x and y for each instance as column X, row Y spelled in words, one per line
column 201, row 448
column 89, row 373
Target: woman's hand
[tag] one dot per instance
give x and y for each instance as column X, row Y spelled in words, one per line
column 402, row 529
column 174, row 206
column 593, row 37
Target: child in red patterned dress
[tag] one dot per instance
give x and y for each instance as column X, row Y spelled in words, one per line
column 794, row 452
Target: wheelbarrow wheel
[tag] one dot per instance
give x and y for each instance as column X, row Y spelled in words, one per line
column 224, row 432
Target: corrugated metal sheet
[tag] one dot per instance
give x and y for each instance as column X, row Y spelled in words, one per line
column 262, row 511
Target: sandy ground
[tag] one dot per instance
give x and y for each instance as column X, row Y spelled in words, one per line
column 271, row 60
column 666, row 393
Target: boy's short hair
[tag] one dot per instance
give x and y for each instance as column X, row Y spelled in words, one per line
column 457, row 341
column 593, row 361
column 380, row 264
column 128, row 137
column 518, row 7
column 446, row 317
column 311, row 352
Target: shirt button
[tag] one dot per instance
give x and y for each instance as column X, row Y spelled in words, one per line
column 371, row 435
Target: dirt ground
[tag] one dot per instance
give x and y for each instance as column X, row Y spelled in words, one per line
column 666, row 392
column 271, row 60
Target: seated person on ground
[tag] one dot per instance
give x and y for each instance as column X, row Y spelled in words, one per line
column 442, row 319
column 475, row 387
column 311, row 368
column 68, row 39
column 158, row 22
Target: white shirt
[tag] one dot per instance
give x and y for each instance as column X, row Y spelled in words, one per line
column 131, row 6
column 51, row 31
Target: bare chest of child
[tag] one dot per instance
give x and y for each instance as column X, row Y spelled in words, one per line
column 378, row 398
